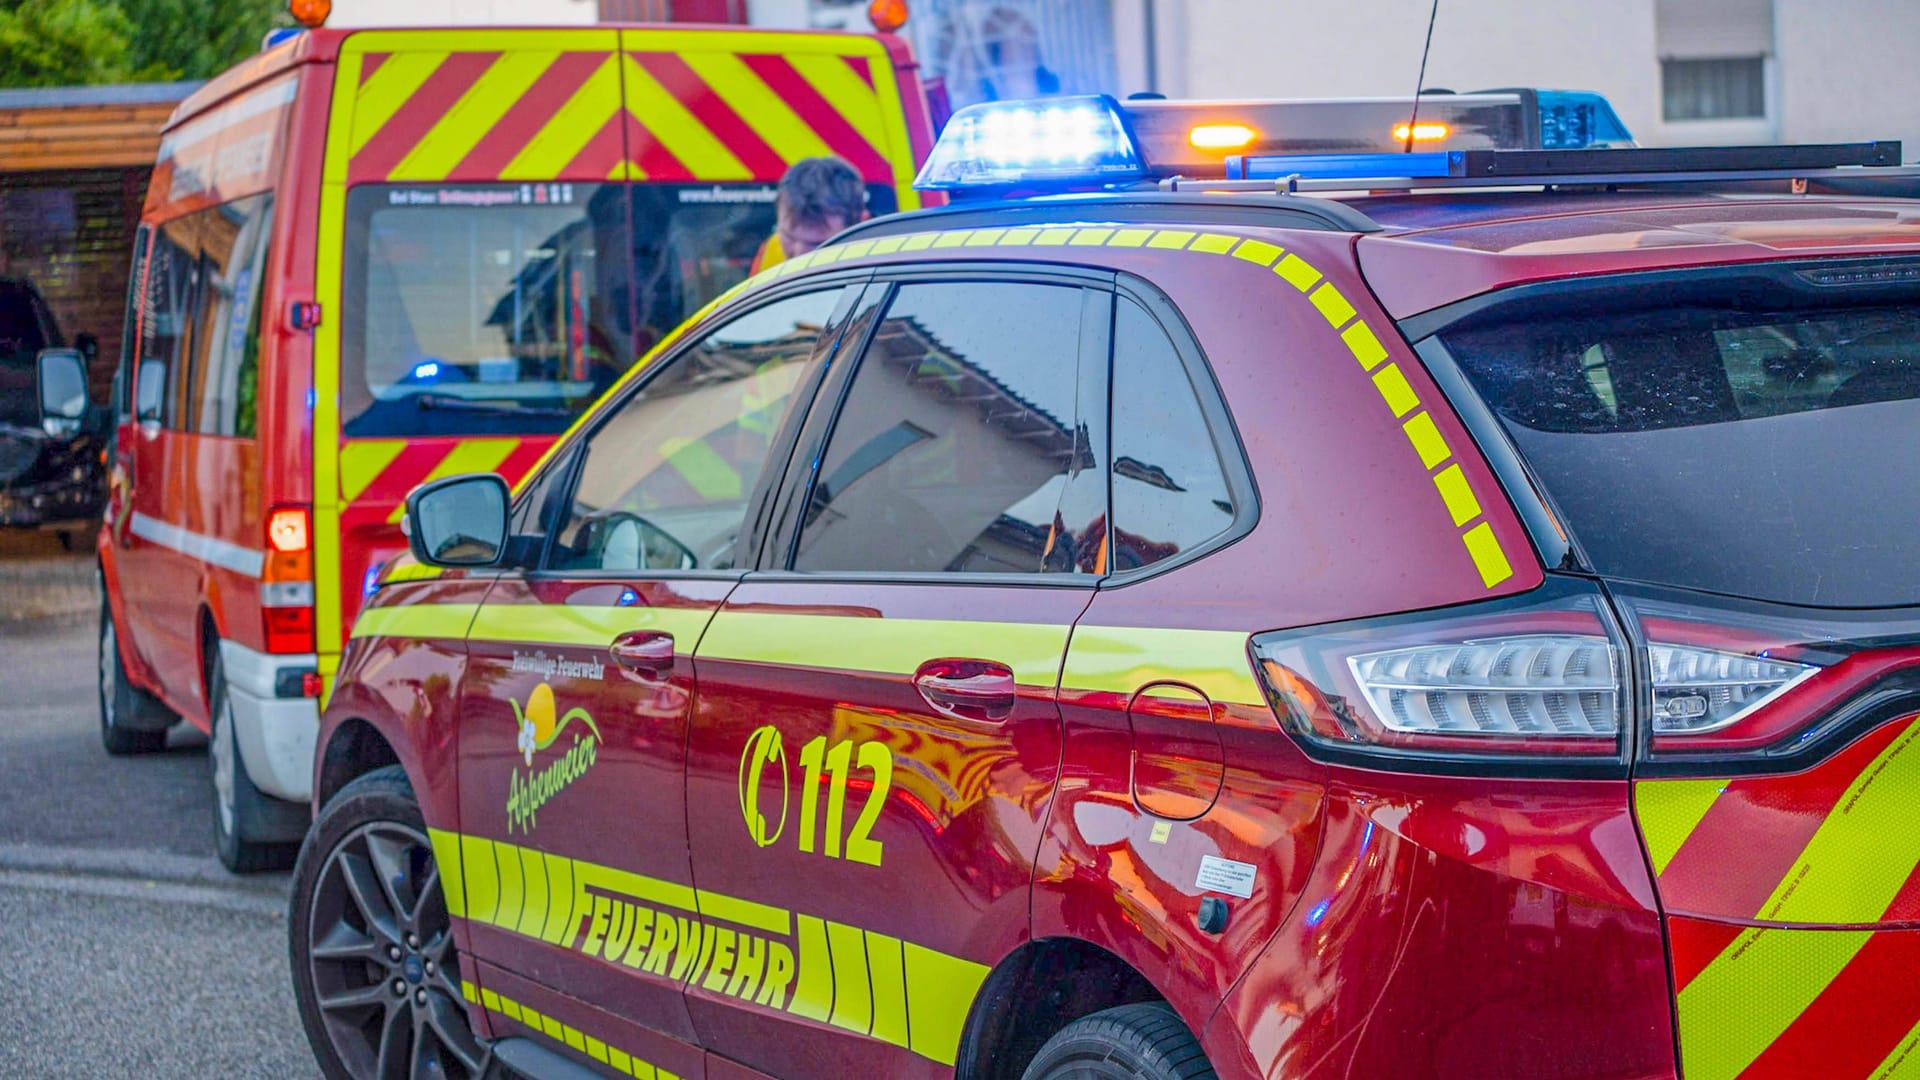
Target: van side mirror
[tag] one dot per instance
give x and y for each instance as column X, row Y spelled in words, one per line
column 150, row 391
column 61, row 375
column 458, row 521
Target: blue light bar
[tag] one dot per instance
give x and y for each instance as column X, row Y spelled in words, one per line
column 1421, row 166
column 1061, row 142
column 1577, row 119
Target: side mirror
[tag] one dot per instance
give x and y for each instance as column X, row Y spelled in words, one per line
column 62, row 378
column 150, row 391
column 459, row 521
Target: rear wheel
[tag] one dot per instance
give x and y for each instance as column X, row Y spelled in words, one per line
column 1132, row 1042
column 247, row 830
column 120, row 700
column 374, row 969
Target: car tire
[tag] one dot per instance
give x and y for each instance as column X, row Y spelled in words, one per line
column 121, row 703
column 246, row 822
column 368, row 914
column 1146, row 1041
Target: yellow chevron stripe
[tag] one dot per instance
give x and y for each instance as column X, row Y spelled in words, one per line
column 362, row 460
column 477, row 111
column 683, row 135
column 1731, row 1012
column 771, row 119
column 470, row 456
column 1903, row 1061
column 587, row 627
column 1669, row 811
column 1122, row 659
column 847, row 92
column 382, row 95
column 1863, row 852
column 576, row 123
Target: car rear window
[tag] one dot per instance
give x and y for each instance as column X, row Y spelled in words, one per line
column 1751, row 443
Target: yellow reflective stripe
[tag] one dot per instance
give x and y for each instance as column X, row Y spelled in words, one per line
column 593, row 627
column 980, row 238
column 887, row 245
column 419, row 621
column 478, row 110
column 1010, row 238
column 847, row 92
column 1854, row 865
column 364, row 459
column 1090, row 238
column 467, row 456
column 569, row 130
column 888, row 646
column 566, row 1034
column 483, row 887
column 679, row 131
column 1427, row 441
column 1365, row 347
column 1669, row 811
column 1053, row 237
column 533, row 874
column 886, row 970
column 561, row 894
column 763, row 110
column 852, row 991
column 1297, row 272
column 813, row 982
column 1484, row 549
column 1903, row 1061
column 940, row 992
column 1454, row 490
column 1213, row 243
column 477, row 40
column 954, row 239
column 385, row 91
column 1122, row 659
column 1258, row 252
column 446, row 857
column 749, row 913
column 1395, row 391
column 1333, row 304
column 672, row 894
column 1129, row 238
column 507, row 863
column 859, row 248
column 1749, row 994
column 1170, row 240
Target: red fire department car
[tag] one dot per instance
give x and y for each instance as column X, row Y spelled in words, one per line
column 369, row 259
column 1436, row 614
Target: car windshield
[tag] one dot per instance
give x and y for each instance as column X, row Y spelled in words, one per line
column 1758, row 445
column 508, row 308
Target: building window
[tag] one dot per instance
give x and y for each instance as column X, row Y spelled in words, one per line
column 1730, row 88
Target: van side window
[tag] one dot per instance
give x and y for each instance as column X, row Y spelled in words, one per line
column 173, row 274
column 1170, row 492
column 670, row 473
column 957, row 439
column 226, row 337
column 130, row 329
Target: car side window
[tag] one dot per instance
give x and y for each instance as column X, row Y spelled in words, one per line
column 668, row 475
column 1170, row 491
column 958, row 438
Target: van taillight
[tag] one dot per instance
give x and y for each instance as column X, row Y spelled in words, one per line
column 1523, row 679
column 286, row 590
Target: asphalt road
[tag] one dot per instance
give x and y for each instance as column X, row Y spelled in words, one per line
column 126, row 950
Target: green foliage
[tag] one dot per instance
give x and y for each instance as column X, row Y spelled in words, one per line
column 69, row 42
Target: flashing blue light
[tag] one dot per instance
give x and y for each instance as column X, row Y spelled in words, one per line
column 370, row 581
column 1067, row 141
column 426, row 369
column 1424, row 166
column 1578, row 119
column 1319, row 911
column 280, row 35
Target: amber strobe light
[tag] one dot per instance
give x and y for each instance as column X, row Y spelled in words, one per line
column 1220, row 137
column 1423, row 131
column 310, row 13
column 887, row 16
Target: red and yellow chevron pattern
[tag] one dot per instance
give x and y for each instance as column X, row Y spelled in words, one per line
column 1795, row 904
column 666, row 105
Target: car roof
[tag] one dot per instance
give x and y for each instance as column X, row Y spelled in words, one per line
column 1420, row 251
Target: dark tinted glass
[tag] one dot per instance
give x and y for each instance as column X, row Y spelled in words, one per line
column 130, row 329
column 166, row 321
column 668, row 475
column 1170, row 493
column 224, row 369
column 957, row 438
column 1767, row 454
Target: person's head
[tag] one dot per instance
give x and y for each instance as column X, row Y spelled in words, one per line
column 818, row 197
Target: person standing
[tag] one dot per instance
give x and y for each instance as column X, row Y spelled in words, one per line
column 818, row 197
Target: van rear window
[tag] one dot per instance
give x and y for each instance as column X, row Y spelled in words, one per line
column 507, row 309
column 1757, row 444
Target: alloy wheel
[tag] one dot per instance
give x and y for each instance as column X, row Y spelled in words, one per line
column 382, row 964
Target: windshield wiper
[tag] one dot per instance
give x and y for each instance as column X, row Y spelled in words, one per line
column 459, row 404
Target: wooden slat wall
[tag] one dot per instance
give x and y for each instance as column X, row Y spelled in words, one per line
column 81, row 136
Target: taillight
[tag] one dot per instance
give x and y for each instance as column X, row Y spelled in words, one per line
column 1522, row 679
column 286, row 591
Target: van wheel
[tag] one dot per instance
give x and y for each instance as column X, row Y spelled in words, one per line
column 120, row 700
column 374, row 969
column 244, row 818
column 1133, row 1041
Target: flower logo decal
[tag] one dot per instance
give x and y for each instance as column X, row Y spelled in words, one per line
column 538, row 729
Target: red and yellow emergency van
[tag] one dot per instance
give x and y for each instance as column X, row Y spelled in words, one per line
column 374, row 258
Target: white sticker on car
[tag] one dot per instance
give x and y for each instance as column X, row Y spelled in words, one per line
column 1225, row 875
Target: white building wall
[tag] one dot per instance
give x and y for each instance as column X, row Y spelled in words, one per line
column 1848, row 70
column 350, row 13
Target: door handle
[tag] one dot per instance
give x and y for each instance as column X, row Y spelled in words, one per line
column 647, row 653
column 967, row 689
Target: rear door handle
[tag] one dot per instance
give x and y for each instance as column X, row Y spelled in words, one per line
column 967, row 689
column 647, row 653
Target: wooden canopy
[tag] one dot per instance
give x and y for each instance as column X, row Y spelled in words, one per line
column 85, row 127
